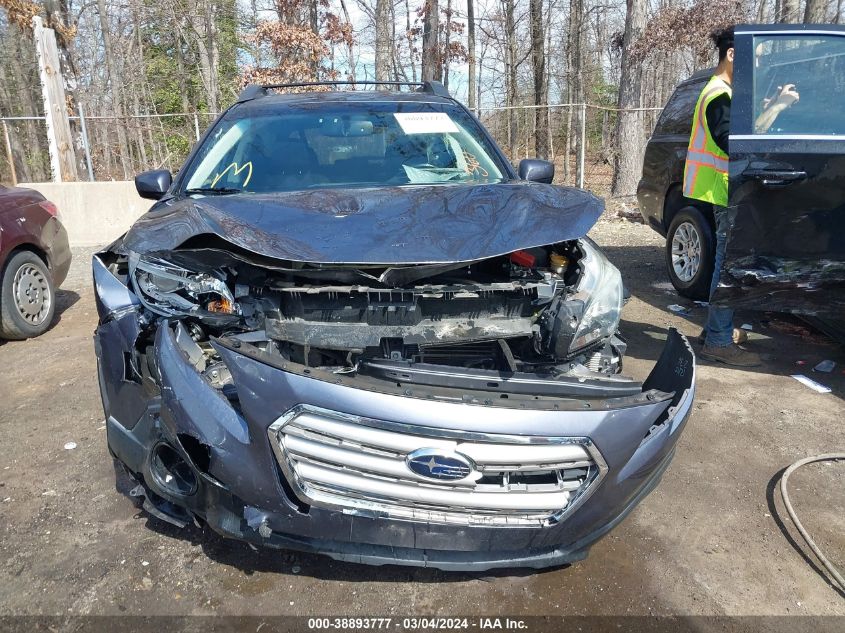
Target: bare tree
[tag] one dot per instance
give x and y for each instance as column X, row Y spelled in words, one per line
column 630, row 139
column 116, row 82
column 538, row 59
column 472, row 96
column 816, row 11
column 510, row 74
column 350, row 48
column 576, row 44
column 447, row 37
column 789, row 11
column 432, row 67
column 203, row 21
column 383, row 40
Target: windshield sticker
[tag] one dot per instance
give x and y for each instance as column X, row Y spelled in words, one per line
column 426, row 123
column 236, row 171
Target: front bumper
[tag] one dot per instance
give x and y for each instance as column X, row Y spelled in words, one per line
column 241, row 491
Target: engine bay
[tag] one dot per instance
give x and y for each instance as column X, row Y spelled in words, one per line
column 524, row 314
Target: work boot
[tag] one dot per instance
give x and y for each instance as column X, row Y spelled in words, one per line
column 740, row 336
column 732, row 355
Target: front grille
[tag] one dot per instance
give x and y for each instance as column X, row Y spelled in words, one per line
column 361, row 466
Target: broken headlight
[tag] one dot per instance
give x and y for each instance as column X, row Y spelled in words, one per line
column 171, row 290
column 601, row 287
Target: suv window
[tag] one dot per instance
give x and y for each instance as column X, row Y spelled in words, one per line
column 676, row 117
column 815, row 65
column 299, row 146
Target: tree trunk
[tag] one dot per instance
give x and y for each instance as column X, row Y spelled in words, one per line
column 399, row 73
column 816, row 12
column 480, row 68
column 789, row 11
column 447, row 44
column 383, row 42
column 576, row 75
column 410, row 37
column 567, row 144
column 181, row 72
column 313, row 15
column 431, row 63
column 538, row 59
column 32, row 166
column 472, row 103
column 115, row 82
column 510, row 35
column 205, row 28
column 630, row 140
column 350, row 46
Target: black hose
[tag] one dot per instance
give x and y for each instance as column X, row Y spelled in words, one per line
column 802, row 462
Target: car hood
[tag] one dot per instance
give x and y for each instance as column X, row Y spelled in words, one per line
column 386, row 225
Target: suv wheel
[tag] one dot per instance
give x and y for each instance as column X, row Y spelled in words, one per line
column 690, row 251
column 27, row 300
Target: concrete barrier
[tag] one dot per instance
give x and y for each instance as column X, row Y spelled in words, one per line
column 94, row 213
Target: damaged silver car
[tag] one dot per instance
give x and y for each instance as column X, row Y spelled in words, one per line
column 348, row 327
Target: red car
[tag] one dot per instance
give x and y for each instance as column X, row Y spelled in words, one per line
column 34, row 261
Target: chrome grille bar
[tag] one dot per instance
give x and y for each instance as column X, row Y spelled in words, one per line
column 361, row 466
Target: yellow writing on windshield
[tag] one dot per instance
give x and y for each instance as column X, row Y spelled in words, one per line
column 236, row 171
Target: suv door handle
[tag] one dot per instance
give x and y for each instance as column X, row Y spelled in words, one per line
column 775, row 177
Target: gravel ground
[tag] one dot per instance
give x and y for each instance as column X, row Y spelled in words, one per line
column 709, row 540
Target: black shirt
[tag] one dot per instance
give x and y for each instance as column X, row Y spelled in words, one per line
column 718, row 115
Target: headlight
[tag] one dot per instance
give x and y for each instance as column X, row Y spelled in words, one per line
column 601, row 288
column 171, row 290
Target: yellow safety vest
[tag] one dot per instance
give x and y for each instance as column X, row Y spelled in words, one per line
column 706, row 167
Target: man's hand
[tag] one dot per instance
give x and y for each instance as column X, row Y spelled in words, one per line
column 786, row 97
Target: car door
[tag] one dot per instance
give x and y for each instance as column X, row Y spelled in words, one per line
column 786, row 245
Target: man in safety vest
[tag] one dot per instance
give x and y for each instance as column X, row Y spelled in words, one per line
column 706, row 179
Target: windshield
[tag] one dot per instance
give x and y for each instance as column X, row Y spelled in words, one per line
column 280, row 147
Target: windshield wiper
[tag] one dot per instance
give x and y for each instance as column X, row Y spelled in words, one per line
column 213, row 191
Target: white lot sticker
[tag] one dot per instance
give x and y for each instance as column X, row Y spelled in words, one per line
column 426, row 123
column 812, row 384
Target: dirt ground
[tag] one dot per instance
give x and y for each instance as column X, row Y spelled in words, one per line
column 710, row 540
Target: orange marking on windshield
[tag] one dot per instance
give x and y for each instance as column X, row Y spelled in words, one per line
column 473, row 166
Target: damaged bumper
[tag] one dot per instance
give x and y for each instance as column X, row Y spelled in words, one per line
column 512, row 480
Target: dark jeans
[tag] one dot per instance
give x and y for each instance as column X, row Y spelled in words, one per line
column 720, row 321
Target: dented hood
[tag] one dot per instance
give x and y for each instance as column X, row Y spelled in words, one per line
column 385, row 225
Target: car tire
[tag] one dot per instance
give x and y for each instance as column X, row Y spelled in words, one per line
column 27, row 297
column 690, row 253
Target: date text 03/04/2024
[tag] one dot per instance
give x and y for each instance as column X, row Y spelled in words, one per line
column 424, row 623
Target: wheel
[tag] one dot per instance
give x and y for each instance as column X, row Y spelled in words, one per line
column 690, row 253
column 27, row 299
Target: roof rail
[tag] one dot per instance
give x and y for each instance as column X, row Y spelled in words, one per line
column 254, row 91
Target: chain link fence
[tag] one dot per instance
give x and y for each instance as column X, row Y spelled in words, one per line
column 107, row 147
column 580, row 139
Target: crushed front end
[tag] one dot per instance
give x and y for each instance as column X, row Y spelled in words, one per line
column 462, row 415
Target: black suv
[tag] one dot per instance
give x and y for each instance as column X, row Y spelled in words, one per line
column 786, row 249
column 686, row 224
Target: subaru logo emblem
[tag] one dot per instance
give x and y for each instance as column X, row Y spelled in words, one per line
column 434, row 463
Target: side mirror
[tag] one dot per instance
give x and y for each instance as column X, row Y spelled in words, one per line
column 153, row 184
column 536, row 170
